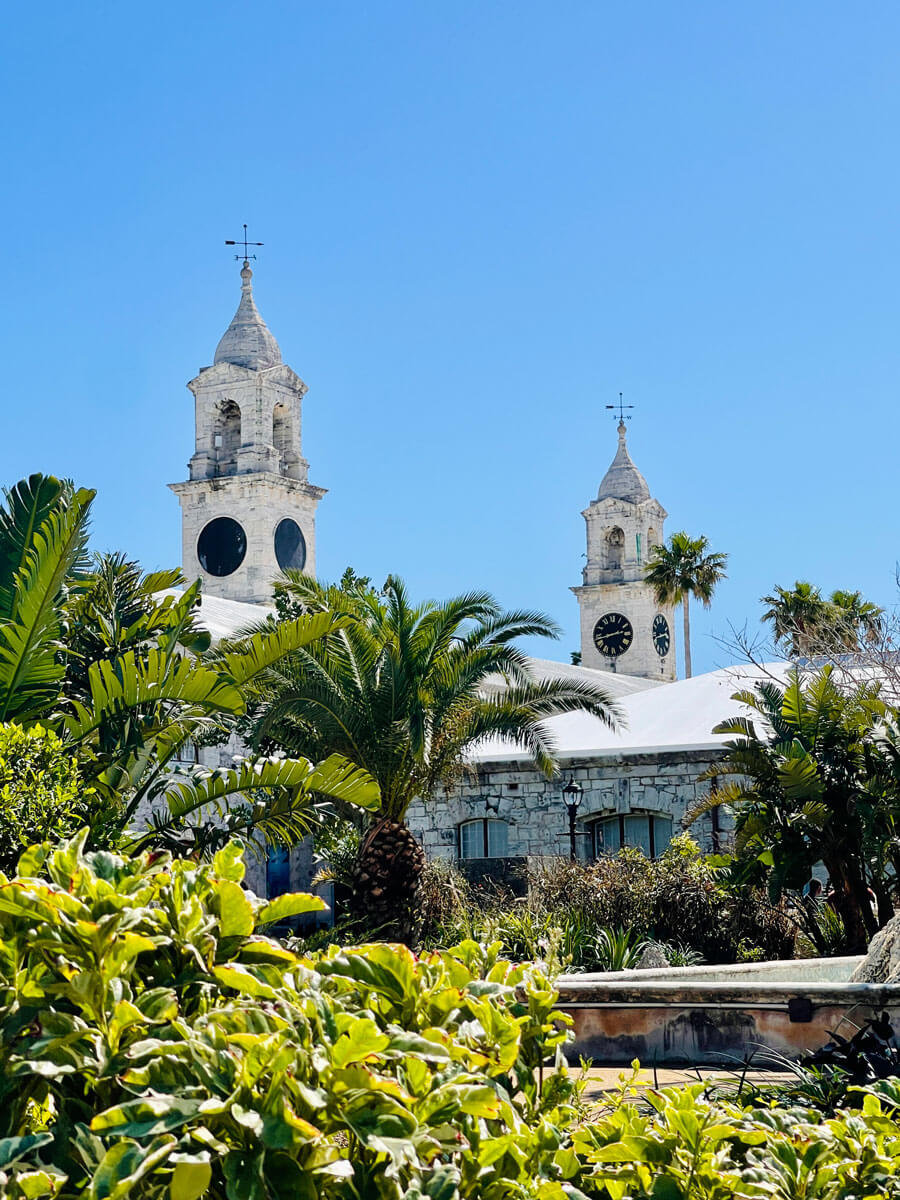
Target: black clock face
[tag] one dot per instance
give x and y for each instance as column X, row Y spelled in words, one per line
column 290, row 548
column 613, row 634
column 221, row 546
column 661, row 639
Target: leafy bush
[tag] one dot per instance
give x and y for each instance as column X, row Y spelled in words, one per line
column 41, row 794
column 154, row 1043
column 681, row 898
column 681, row 1144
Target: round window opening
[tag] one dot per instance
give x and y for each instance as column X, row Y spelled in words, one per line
column 290, row 548
column 221, row 546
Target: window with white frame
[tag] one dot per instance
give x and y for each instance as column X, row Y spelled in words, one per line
column 646, row 832
column 484, row 838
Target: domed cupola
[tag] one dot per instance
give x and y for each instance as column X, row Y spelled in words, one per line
column 623, row 481
column 247, row 342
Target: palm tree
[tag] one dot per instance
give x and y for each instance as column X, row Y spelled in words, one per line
column 808, row 624
column 797, row 616
column 407, row 691
column 806, row 788
column 856, row 621
column 684, row 568
column 124, row 678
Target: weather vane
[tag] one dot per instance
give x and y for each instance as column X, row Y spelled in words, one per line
column 243, row 242
column 620, row 407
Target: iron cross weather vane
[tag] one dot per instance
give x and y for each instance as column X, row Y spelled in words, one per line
column 620, row 406
column 246, row 256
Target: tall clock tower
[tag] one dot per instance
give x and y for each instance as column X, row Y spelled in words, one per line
column 622, row 626
column 248, row 510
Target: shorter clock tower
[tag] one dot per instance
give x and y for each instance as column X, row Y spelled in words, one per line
column 622, row 626
column 248, row 510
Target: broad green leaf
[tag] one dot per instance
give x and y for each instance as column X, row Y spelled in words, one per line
column 190, row 1179
column 238, row 977
column 124, row 1165
column 362, row 1040
column 14, row 1148
column 291, row 904
column 235, row 910
column 150, row 1115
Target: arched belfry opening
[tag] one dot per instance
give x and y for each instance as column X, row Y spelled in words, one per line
column 614, row 557
column 226, row 438
column 281, row 431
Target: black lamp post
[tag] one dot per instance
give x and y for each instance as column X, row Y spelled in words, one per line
column 572, row 794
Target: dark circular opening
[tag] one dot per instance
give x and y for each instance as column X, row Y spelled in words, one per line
column 221, row 546
column 290, row 548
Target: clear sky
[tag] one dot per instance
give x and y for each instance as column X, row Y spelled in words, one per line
column 482, row 221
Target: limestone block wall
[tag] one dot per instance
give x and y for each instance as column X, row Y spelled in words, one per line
column 666, row 784
column 636, row 602
column 258, row 502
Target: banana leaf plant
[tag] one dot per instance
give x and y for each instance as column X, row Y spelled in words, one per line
column 125, row 677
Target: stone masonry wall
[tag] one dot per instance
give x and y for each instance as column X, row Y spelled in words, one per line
column 667, row 784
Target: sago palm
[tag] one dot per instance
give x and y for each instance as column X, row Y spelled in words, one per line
column 800, row 790
column 401, row 691
column 683, row 568
column 103, row 661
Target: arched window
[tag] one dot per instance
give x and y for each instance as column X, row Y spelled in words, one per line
column 227, row 437
column 281, row 428
column 652, row 540
column 484, row 838
column 647, row 832
column 615, row 549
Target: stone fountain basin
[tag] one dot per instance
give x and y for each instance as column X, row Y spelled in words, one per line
column 722, row 1015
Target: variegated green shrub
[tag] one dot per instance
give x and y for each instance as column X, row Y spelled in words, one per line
column 155, row 1043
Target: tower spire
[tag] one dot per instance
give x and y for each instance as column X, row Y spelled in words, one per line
column 248, row 341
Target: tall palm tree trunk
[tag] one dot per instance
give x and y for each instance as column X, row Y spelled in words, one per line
column 687, row 635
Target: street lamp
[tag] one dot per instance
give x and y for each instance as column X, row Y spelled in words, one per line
column 572, row 794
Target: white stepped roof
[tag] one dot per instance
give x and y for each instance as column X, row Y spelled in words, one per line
column 224, row 618
column 657, row 716
column 672, row 716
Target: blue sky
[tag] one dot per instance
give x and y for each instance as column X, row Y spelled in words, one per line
column 482, row 221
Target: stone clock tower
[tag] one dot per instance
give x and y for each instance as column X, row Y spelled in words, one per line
column 248, row 510
column 622, row 627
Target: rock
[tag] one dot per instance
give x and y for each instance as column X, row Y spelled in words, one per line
column 882, row 963
column 653, row 958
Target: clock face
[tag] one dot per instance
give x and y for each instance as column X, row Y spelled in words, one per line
column 221, row 546
column 613, row 634
column 290, row 548
column 661, row 639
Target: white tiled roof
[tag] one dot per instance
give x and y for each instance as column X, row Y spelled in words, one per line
column 657, row 716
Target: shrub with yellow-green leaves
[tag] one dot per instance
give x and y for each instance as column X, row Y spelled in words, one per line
column 154, row 1042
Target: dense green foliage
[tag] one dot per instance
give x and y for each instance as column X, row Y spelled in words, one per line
column 806, row 623
column 683, row 1144
column 600, row 916
column 683, row 568
column 400, row 689
column 155, row 1043
column 42, row 797
column 405, row 691
column 114, row 664
column 817, row 782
